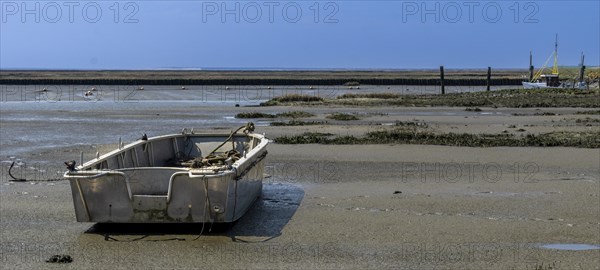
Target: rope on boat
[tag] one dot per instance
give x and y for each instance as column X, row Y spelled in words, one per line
column 232, row 155
column 228, row 157
column 15, row 179
column 249, row 127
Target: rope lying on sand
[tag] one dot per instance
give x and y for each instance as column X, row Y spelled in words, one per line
column 15, row 179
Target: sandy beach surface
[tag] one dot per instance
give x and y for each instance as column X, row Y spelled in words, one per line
column 323, row 206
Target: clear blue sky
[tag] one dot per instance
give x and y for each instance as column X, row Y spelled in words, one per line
column 273, row 34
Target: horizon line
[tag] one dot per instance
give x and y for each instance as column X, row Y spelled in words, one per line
column 263, row 69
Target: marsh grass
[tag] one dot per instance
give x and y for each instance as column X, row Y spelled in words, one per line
column 596, row 112
column 298, row 123
column 292, row 114
column 292, row 98
column 476, row 109
column 342, row 117
column 254, row 115
column 295, row 114
column 587, row 120
column 401, row 136
column 510, row 98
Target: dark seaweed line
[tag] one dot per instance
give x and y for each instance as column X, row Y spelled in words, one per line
column 267, row 81
column 583, row 140
column 515, row 98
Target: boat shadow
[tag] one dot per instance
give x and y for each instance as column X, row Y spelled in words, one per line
column 270, row 213
column 265, row 220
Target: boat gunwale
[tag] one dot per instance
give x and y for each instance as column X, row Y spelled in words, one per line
column 85, row 167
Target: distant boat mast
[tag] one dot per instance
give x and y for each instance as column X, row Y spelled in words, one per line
column 554, row 54
column 555, row 67
column 581, row 68
column 531, row 67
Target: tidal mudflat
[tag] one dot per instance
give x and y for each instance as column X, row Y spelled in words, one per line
column 373, row 205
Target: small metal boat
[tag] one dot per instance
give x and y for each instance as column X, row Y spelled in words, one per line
column 172, row 178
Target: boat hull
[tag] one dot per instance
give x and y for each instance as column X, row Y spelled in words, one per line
column 532, row 85
column 113, row 189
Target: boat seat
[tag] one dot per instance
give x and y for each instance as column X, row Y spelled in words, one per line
column 150, row 180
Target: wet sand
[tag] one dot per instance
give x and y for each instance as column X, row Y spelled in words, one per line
column 326, row 206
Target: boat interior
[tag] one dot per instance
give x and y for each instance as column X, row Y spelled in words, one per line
column 177, row 152
column 150, row 165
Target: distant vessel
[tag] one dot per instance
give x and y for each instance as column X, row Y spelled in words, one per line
column 540, row 80
column 581, row 84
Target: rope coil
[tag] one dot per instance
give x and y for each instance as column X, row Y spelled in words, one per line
column 217, row 159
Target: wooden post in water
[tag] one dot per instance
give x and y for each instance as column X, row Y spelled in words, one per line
column 442, row 79
column 582, row 69
column 489, row 78
column 530, row 67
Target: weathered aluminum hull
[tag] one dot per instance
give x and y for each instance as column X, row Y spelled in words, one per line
column 133, row 184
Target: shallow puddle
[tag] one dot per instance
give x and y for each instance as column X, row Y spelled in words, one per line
column 570, row 246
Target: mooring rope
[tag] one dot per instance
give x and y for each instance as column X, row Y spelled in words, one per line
column 249, row 127
column 220, row 159
column 15, row 179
